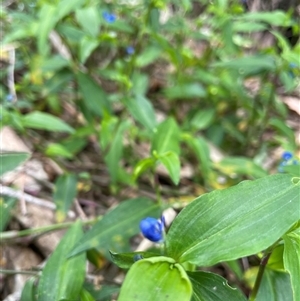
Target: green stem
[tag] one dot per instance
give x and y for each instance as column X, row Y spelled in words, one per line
column 258, row 280
column 14, row 272
column 42, row 230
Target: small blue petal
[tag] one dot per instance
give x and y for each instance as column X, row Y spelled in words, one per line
column 287, row 155
column 9, row 98
column 130, row 50
column 152, row 229
column 108, row 17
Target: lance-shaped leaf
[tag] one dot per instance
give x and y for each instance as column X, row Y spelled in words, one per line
column 291, row 258
column 113, row 231
column 212, row 287
column 166, row 137
column 64, row 194
column 157, row 278
column 275, row 286
column 10, row 160
column 28, row 292
column 235, row 222
column 63, row 277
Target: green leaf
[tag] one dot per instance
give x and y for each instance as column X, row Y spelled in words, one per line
column 250, row 65
column 89, row 20
column 62, row 277
column 56, row 149
column 285, row 130
column 142, row 110
column 126, row 260
column 115, row 152
column 44, row 121
column 292, row 169
column 291, row 258
column 276, row 18
column 142, row 166
column 166, row 137
column 148, row 56
column 94, row 98
column 235, row 222
column 86, row 296
column 11, row 160
column 157, row 278
column 202, row 119
column 87, row 46
column 47, row 20
column 184, row 91
column 171, row 162
column 64, row 193
column 103, row 294
column 240, row 166
column 275, row 286
column 211, row 287
column 28, row 292
column 6, row 205
column 117, row 226
column 200, row 147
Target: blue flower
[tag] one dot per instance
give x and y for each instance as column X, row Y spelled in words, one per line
column 10, row 98
column 129, row 50
column 152, row 228
column 286, row 156
column 108, row 17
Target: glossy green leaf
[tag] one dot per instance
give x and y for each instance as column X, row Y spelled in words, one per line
column 241, row 166
column 115, row 151
column 211, row 287
column 44, row 121
column 166, row 137
column 11, row 160
column 171, row 162
column 185, row 91
column 94, row 98
column 62, row 277
column 157, row 278
column 142, row 110
column 291, row 259
column 275, row 261
column 126, row 260
column 207, row 232
column 64, row 193
column 275, row 286
column 28, row 292
column 113, row 231
column 6, row 205
column 292, row 169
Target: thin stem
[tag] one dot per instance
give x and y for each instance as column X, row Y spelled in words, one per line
column 14, row 272
column 261, row 270
column 42, row 230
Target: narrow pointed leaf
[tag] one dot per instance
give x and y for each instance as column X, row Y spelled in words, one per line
column 211, row 287
column 235, row 222
column 28, row 292
column 64, row 194
column 171, row 162
column 291, row 257
column 113, row 231
column 44, row 121
column 63, row 277
column 275, row 286
column 10, row 160
column 157, row 278
column 166, row 137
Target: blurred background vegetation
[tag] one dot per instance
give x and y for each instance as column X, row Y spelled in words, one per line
column 164, row 99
